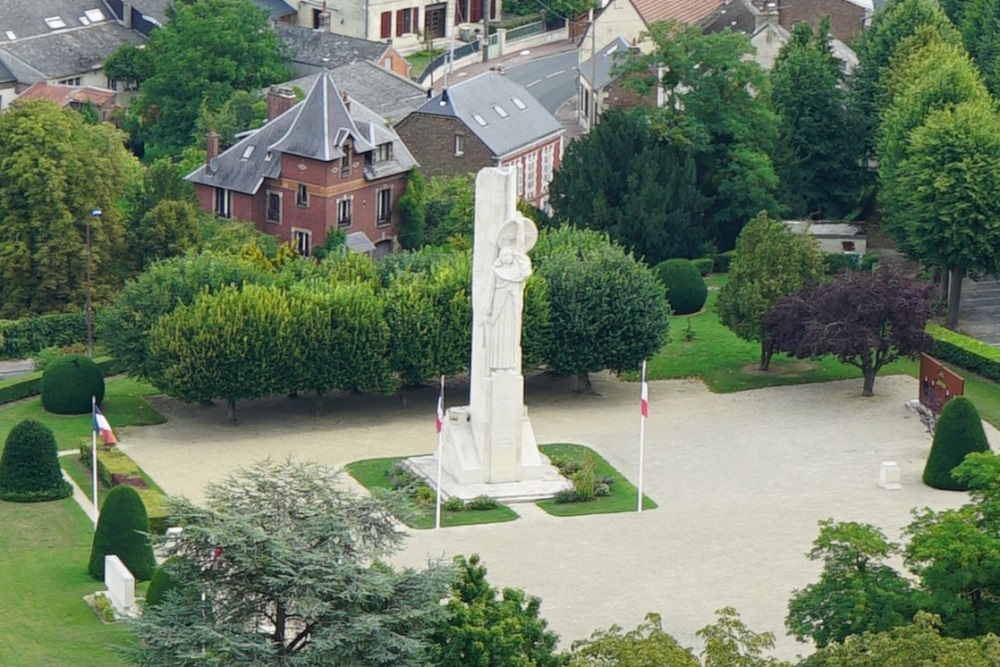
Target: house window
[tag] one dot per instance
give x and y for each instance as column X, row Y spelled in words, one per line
column 530, row 176
column 345, row 162
column 404, row 21
column 386, row 25
column 274, row 207
column 302, row 241
column 384, row 152
column 344, row 211
column 459, row 144
column 383, row 207
column 72, row 81
column 548, row 158
column 302, row 195
column 223, row 203
column 520, row 177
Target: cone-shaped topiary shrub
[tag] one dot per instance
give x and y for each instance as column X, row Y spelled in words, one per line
column 686, row 289
column 29, row 467
column 959, row 431
column 161, row 582
column 120, row 533
column 68, row 383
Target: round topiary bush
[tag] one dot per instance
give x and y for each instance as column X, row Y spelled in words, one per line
column 121, row 532
column 959, row 431
column 159, row 585
column 29, row 467
column 68, row 383
column 686, row 289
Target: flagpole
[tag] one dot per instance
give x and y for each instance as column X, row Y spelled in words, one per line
column 642, row 430
column 440, row 455
column 93, row 451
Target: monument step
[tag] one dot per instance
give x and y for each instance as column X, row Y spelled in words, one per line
column 507, row 493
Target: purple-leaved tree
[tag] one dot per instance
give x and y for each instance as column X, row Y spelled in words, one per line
column 866, row 318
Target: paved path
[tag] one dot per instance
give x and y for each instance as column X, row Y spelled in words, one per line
column 81, row 498
column 741, row 480
column 12, row 368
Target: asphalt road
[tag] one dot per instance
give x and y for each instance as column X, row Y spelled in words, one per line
column 550, row 79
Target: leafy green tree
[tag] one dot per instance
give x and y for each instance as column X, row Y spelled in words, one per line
column 127, row 65
column 166, row 230
column 730, row 643
column 716, row 105
column 243, row 111
column 980, row 26
column 29, row 466
column 449, row 211
column 947, row 191
column 123, row 531
column 486, row 628
column 645, row 646
column 282, row 566
column 199, row 58
column 818, row 156
column 919, row 643
column 876, row 46
column 230, row 344
column 55, row 169
column 607, row 310
column 412, row 211
column 770, row 262
column 958, row 432
column 620, row 179
column 857, row 591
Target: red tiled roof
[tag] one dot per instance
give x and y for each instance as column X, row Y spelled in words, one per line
column 63, row 95
column 685, row 11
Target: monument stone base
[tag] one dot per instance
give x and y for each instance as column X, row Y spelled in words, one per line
column 545, row 486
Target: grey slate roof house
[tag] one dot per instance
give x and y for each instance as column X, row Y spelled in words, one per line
column 323, row 164
column 487, row 121
column 314, row 51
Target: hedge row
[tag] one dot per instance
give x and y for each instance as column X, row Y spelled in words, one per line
column 114, row 468
column 968, row 353
column 19, row 339
column 30, row 385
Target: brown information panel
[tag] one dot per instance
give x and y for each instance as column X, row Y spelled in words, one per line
column 938, row 384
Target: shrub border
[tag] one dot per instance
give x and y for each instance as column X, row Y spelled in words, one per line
column 113, row 463
column 966, row 352
column 30, row 385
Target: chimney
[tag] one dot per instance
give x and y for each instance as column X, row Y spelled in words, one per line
column 279, row 100
column 767, row 14
column 345, row 100
column 211, row 149
column 127, row 14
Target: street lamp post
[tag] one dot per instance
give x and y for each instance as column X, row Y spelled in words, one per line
column 96, row 213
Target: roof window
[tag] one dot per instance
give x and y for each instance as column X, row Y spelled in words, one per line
column 519, row 103
column 55, row 22
column 248, row 151
column 94, row 15
column 10, row 35
column 479, row 119
column 501, row 111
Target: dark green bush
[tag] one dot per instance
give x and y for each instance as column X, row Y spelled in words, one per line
column 68, row 384
column 454, row 505
column 723, row 260
column 29, row 467
column 565, row 496
column 159, row 585
column 837, row 262
column 686, row 289
column 869, row 261
column 22, row 338
column 969, row 353
column 585, row 479
column 482, row 504
column 959, row 431
column 29, row 385
column 122, row 531
column 705, row 265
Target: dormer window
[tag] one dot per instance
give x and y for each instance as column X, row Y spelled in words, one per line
column 384, row 152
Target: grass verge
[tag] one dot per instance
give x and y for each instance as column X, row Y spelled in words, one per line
column 373, row 474
column 623, row 494
column 420, row 60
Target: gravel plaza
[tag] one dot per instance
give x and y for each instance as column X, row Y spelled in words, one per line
column 741, row 481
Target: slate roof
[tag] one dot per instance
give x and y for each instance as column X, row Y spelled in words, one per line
column 736, row 15
column 5, row 75
column 26, row 18
column 386, row 93
column 607, row 58
column 480, row 97
column 309, row 129
column 154, row 9
column 326, row 49
column 686, row 11
column 70, row 52
column 277, row 8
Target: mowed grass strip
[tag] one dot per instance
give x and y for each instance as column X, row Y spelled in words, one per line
column 623, row 496
column 374, row 474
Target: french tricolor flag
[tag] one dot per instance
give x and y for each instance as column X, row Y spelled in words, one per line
column 439, row 417
column 102, row 426
column 644, row 393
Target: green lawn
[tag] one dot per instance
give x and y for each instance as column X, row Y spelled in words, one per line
column 623, row 494
column 420, row 60
column 44, row 548
column 372, row 474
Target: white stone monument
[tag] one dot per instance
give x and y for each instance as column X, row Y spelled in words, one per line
column 488, row 446
column 121, row 585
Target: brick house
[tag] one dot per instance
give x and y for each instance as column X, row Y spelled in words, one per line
column 487, row 121
column 847, row 17
column 323, row 164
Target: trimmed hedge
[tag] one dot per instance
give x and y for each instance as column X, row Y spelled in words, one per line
column 958, row 433
column 723, row 260
column 22, row 338
column 159, row 585
column 968, row 353
column 29, row 385
column 69, row 382
column 115, row 468
column 122, row 531
column 704, row 265
column 29, row 467
column 686, row 289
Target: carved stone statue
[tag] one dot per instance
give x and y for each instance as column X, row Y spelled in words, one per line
column 511, row 269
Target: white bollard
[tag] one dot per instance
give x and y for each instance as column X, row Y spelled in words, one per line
column 888, row 476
